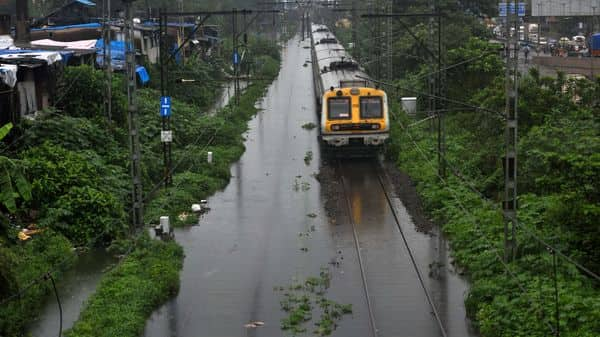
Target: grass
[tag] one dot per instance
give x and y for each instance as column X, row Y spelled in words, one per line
column 129, row 293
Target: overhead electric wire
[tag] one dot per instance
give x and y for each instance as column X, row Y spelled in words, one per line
column 483, row 235
column 471, row 186
column 474, row 107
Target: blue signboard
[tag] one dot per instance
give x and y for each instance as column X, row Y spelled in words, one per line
column 236, row 57
column 165, row 106
column 521, row 11
column 511, row 7
column 504, row 8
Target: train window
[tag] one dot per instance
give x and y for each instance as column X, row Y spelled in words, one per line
column 339, row 108
column 371, row 107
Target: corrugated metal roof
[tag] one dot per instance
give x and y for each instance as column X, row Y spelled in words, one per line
column 86, row 3
column 84, row 25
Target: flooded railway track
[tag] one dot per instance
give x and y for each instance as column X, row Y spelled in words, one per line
column 376, row 170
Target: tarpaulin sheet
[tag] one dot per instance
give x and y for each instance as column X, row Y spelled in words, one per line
column 83, row 25
column 596, row 41
column 8, row 74
column 49, row 56
column 6, row 42
column 117, row 54
column 83, row 44
column 142, row 74
column 86, row 2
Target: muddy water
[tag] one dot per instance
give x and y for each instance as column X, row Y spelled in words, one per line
column 399, row 303
column 249, row 242
column 75, row 287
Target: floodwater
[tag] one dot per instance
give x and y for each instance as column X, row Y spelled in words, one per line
column 249, row 242
column 74, row 289
column 227, row 92
column 79, row 283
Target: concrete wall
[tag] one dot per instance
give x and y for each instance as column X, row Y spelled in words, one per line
column 588, row 66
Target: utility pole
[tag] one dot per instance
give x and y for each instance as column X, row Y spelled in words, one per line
column 107, row 59
column 355, row 49
column 166, row 119
column 510, row 134
column 390, row 41
column 134, row 140
column 23, row 37
column 303, row 29
column 440, row 103
column 236, row 80
column 431, row 79
column 181, row 31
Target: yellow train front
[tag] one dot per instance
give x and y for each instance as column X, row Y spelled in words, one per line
column 353, row 112
column 354, row 116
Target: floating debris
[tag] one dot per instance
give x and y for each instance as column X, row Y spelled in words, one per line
column 311, row 215
column 309, row 126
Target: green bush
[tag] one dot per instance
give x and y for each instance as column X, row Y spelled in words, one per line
column 128, row 294
column 82, row 94
column 77, row 193
column 22, row 264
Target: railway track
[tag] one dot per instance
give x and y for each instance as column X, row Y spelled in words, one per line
column 383, row 182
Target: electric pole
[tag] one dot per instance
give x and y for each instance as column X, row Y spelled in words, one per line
column 166, row 118
column 431, row 79
column 107, row 59
column 236, row 80
column 510, row 133
column 390, row 41
column 440, row 104
column 134, row 140
column 355, row 48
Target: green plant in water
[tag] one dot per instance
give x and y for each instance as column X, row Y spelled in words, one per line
column 308, row 157
column 309, row 126
column 303, row 300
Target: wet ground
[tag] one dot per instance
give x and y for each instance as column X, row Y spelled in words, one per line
column 250, row 241
column 75, row 287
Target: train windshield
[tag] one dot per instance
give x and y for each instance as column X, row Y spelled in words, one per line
column 339, row 108
column 371, row 107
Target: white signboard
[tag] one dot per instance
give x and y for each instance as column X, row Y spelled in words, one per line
column 565, row 7
column 166, row 136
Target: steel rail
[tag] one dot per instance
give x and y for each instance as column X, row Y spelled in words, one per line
column 357, row 246
column 411, row 255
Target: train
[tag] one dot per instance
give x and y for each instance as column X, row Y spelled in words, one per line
column 353, row 111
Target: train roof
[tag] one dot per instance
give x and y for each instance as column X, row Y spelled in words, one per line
column 318, row 28
column 335, row 64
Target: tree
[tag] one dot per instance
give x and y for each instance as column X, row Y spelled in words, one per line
column 13, row 184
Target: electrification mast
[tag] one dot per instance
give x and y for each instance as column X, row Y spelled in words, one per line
column 510, row 133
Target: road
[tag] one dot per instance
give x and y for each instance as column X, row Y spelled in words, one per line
column 250, row 240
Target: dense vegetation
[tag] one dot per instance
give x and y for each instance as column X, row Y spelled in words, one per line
column 129, row 293
column 67, row 173
column 559, row 174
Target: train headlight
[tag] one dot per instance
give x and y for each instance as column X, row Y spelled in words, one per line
column 375, row 126
column 335, row 127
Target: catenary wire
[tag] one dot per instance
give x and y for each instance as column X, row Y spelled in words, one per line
column 466, row 212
